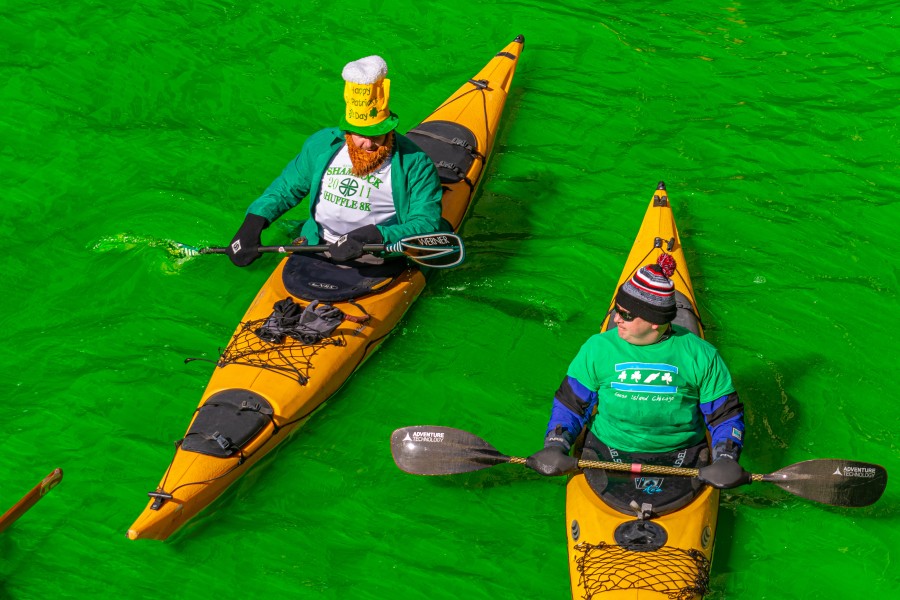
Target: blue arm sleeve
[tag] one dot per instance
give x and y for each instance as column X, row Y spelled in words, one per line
column 725, row 419
column 573, row 404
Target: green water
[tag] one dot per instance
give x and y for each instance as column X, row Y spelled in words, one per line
column 131, row 124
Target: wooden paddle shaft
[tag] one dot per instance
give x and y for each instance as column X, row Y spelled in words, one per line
column 30, row 499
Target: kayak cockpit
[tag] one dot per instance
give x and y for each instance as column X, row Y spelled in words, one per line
column 644, row 496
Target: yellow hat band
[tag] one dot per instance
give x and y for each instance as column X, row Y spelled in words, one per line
column 367, row 103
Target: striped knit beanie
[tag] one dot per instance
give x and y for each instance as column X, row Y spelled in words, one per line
column 650, row 294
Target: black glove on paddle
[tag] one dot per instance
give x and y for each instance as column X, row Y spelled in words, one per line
column 552, row 461
column 350, row 245
column 724, row 473
column 243, row 249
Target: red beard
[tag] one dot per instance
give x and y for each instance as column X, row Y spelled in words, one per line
column 368, row 162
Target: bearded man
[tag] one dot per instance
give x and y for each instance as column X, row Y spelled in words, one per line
column 367, row 184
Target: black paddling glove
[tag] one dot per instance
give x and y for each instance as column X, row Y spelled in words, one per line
column 552, row 461
column 726, row 449
column 724, row 473
column 244, row 247
column 350, row 245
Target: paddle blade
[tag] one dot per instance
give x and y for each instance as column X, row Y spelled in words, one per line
column 832, row 481
column 434, row 450
column 437, row 250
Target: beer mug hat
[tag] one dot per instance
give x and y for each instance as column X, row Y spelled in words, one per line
column 367, row 94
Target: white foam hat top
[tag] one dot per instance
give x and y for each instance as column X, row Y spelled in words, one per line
column 366, row 70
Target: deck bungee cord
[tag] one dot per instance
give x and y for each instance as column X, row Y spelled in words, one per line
column 424, row 131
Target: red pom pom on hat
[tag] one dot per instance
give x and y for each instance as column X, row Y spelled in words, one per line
column 667, row 263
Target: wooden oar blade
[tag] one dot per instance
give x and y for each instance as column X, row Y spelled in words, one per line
column 434, row 450
column 833, row 481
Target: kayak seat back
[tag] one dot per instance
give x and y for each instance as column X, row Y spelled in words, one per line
column 316, row 277
column 629, row 493
column 686, row 317
column 226, row 422
column 452, row 147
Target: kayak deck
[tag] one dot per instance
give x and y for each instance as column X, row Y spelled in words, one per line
column 599, row 565
column 292, row 380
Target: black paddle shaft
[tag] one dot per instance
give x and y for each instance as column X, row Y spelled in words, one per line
column 436, row 250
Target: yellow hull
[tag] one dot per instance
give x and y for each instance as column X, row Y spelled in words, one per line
column 194, row 480
column 599, row 568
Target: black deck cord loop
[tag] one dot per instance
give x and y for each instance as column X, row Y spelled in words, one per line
column 479, row 86
column 451, row 101
column 459, row 172
column 191, row 359
column 160, row 494
column 487, row 132
column 454, row 142
column 269, row 414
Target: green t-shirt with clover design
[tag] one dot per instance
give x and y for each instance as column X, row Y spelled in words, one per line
column 649, row 396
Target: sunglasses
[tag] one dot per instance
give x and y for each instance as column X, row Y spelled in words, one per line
column 624, row 314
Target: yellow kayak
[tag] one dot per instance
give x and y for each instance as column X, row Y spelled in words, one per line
column 619, row 552
column 268, row 390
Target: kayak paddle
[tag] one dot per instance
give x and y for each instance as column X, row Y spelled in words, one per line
column 434, row 450
column 436, row 250
column 30, row 499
